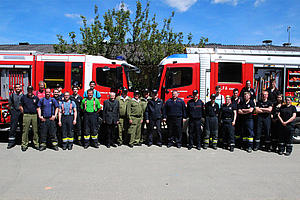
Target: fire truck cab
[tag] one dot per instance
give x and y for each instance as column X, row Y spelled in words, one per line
column 203, row 69
column 31, row 67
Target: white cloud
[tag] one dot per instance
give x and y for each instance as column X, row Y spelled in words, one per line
column 233, row 2
column 258, row 2
column 181, row 5
column 123, row 6
column 72, row 15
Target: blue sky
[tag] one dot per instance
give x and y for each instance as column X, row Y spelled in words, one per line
column 246, row 22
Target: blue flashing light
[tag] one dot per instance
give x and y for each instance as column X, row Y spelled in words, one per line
column 177, row 56
column 120, row 58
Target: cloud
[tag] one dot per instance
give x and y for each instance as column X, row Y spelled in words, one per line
column 123, row 6
column 72, row 16
column 180, row 5
column 258, row 2
column 233, row 2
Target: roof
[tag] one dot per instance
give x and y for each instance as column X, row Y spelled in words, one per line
column 45, row 48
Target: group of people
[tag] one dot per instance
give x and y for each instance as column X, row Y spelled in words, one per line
column 228, row 122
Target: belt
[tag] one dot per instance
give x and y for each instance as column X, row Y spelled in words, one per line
column 137, row 116
column 30, row 113
column 227, row 119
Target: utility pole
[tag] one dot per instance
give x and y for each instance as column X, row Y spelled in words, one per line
column 289, row 34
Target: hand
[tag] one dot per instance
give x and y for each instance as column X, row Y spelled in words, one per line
column 42, row 119
column 147, row 121
column 164, row 120
column 130, row 121
column 283, row 123
column 233, row 123
column 118, row 122
column 59, row 124
column 141, row 121
column 74, row 122
column 184, row 120
column 52, row 118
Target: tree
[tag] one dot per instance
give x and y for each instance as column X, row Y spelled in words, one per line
column 138, row 37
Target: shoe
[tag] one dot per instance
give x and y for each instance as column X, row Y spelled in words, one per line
column 169, row 145
column 280, row 152
column 114, row 145
column 37, row 147
column 159, row 145
column 138, row 144
column 86, row 146
column 255, row 149
column 205, row 146
column 108, row 146
column 178, row 146
column 189, row 147
column 24, row 148
column 287, row 153
column 55, row 148
column 42, row 148
column 10, row 145
column 215, row 147
column 199, row 148
column 96, row 145
column 231, row 149
column 70, row 147
column 120, row 144
column 64, row 147
column 149, row 145
column 249, row 150
column 130, row 145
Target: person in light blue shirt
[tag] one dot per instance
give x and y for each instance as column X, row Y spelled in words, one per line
column 92, row 87
column 220, row 99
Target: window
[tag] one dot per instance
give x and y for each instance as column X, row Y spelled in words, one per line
column 230, row 72
column 54, row 73
column 77, row 74
column 109, row 77
column 179, row 77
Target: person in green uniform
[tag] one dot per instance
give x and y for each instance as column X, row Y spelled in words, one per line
column 91, row 107
column 144, row 101
column 135, row 116
column 123, row 120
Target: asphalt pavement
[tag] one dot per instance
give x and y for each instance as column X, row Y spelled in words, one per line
column 148, row 173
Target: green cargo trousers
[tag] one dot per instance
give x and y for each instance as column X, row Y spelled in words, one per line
column 135, row 131
column 122, row 128
column 27, row 120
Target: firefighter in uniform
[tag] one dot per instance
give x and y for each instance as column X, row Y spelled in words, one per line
column 111, row 118
column 286, row 116
column 47, row 112
column 228, row 115
column 245, row 110
column 249, row 90
column 174, row 113
column 77, row 127
column 263, row 109
column 123, row 120
column 144, row 101
column 66, row 119
column 135, row 116
column 16, row 115
column 236, row 99
column 153, row 114
column 275, row 126
column 28, row 106
column 195, row 111
column 273, row 92
column 91, row 107
column 211, row 123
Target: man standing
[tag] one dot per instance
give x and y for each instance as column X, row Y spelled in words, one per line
column 273, row 92
column 91, row 107
column 47, row 112
column 135, row 116
column 153, row 114
column 220, row 100
column 123, row 120
column 144, row 101
column 40, row 93
column 263, row 109
column 66, row 119
column 111, row 118
column 249, row 90
column 245, row 110
column 96, row 94
column 16, row 115
column 28, row 106
column 77, row 127
column 211, row 122
column 174, row 113
column 195, row 110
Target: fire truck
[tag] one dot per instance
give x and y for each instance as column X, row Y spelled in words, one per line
column 230, row 67
column 31, row 67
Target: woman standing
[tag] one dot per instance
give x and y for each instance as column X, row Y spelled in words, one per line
column 275, row 126
column 286, row 116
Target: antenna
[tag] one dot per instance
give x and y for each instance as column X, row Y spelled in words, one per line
column 289, row 34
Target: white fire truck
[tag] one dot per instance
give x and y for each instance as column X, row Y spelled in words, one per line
column 230, row 67
column 30, row 67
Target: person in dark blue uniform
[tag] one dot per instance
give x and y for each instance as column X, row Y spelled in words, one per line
column 228, row 115
column 245, row 110
column 211, row 122
column 174, row 113
column 263, row 109
column 286, row 116
column 153, row 115
column 249, row 90
column 273, row 92
column 195, row 111
column 236, row 99
column 275, row 126
column 77, row 127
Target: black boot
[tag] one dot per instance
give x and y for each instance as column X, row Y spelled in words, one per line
column 231, row 148
column 70, row 146
column 256, row 146
column 64, row 146
column 10, row 145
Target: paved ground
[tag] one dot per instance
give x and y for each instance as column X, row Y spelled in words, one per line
column 148, row 173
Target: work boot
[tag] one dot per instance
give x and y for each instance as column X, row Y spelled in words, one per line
column 70, row 146
column 42, row 148
column 64, row 146
column 189, row 147
column 96, row 145
column 256, row 146
column 214, row 147
column 24, row 148
column 199, row 148
column 10, row 145
column 288, row 153
column 231, row 148
column 130, row 145
column 249, row 150
column 205, row 146
column 55, row 148
column 114, row 145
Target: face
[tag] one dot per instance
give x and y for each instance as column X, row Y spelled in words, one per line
column 265, row 95
column 195, row 96
column 67, row 96
column 218, row 90
column 59, row 89
column 90, row 94
column 75, row 90
column 175, row 95
column 92, row 86
column 236, row 93
column 288, row 101
column 228, row 100
column 279, row 99
column 29, row 92
column 146, row 95
column 18, row 88
column 112, row 96
column 246, row 96
column 41, row 86
column 248, row 83
column 154, row 95
column 48, row 92
column 124, row 94
column 55, row 93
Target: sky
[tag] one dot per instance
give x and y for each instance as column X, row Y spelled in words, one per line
column 228, row 22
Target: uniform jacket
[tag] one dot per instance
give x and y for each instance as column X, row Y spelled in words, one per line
column 174, row 108
column 154, row 109
column 14, row 101
column 134, row 109
column 111, row 111
column 195, row 110
column 123, row 105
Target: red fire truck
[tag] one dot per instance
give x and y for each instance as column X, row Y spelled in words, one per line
column 230, row 67
column 30, row 67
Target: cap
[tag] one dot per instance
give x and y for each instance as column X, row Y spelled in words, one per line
column 213, row 96
column 29, row 87
column 136, row 92
column 154, row 91
column 124, row 89
column 146, row 90
column 195, row 91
